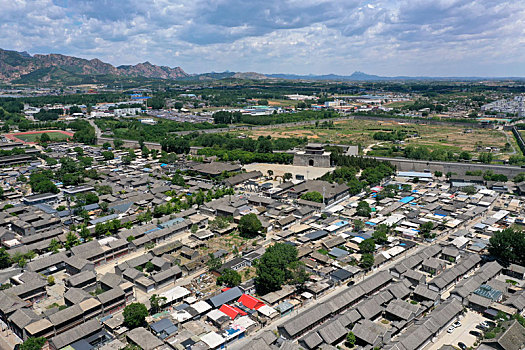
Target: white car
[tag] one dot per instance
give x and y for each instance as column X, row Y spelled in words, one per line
column 456, row 324
column 451, row 329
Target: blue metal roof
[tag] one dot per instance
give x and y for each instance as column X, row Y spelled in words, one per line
column 407, row 199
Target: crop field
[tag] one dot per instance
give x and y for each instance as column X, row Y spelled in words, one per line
column 33, row 136
column 449, row 137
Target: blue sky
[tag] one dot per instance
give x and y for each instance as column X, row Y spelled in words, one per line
column 391, row 37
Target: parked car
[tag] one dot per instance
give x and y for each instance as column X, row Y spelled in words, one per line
column 457, row 324
column 476, row 334
column 462, row 346
column 451, row 329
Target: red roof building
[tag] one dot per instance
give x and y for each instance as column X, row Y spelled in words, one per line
column 250, row 302
column 232, row 311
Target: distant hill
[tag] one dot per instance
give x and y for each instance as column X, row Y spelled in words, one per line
column 360, row 76
column 20, row 67
column 356, row 76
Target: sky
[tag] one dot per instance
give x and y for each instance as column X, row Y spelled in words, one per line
column 390, row 38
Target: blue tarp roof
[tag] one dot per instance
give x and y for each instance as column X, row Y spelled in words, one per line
column 406, row 199
column 171, row 222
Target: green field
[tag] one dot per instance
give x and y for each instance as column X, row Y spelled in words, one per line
column 448, row 137
column 55, row 136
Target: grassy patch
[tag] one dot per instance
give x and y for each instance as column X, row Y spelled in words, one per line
column 55, row 136
column 323, row 251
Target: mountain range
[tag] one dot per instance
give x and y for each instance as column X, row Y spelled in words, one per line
column 20, row 67
column 23, row 68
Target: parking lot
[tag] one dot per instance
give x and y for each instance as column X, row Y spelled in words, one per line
column 460, row 334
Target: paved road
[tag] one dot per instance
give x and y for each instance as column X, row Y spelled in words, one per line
column 98, row 132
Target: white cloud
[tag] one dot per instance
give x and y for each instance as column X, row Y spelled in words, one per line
column 404, row 37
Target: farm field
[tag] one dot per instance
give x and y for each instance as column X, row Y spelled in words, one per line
column 448, row 137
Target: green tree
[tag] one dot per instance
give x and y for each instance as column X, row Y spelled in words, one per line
column 519, row 178
column 178, row 180
column 380, row 235
column 275, row 267
column 30, row 255
column 17, row 257
column 230, row 278
column 359, row 225
column 287, row 176
column 367, row 246
column 108, row 155
column 250, row 226
column 313, row 196
column 350, row 339
column 363, row 209
column 40, row 182
column 214, row 263
column 470, row 190
column 149, row 266
column 135, row 315
column 106, row 145
column 50, row 280
column 45, row 138
column 54, row 246
column 486, row 157
column 157, row 302
column 367, row 261
column 298, row 273
column 126, row 160
column 33, row 343
column 5, row 259
column 508, row 246
column 71, row 240
column 79, row 151
column 426, row 228
column 118, row 143
column 465, row 155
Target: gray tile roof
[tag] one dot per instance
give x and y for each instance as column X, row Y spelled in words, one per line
column 111, row 295
column 65, row 315
column 332, row 332
column 144, row 339
column 81, row 277
column 72, row 335
column 23, row 317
